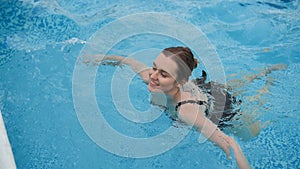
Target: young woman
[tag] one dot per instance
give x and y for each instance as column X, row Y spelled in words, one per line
column 185, row 101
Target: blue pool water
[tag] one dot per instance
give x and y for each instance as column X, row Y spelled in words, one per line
column 41, row 42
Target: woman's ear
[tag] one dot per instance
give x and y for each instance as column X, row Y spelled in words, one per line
column 180, row 84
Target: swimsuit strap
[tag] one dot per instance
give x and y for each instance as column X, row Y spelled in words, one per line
column 199, row 102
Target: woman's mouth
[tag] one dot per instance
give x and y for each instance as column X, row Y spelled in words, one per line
column 153, row 84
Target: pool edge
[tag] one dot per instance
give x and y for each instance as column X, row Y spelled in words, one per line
column 6, row 156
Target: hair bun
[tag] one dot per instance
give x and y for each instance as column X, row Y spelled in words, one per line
column 195, row 62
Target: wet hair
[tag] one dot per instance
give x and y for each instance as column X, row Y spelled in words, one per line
column 185, row 55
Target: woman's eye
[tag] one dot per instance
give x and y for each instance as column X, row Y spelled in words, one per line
column 164, row 75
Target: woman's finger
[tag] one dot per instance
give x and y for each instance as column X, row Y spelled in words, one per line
column 226, row 147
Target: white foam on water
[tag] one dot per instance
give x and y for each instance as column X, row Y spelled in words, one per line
column 91, row 15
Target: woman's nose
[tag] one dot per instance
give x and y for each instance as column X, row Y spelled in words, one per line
column 154, row 74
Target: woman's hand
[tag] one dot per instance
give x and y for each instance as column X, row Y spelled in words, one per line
column 239, row 155
column 213, row 133
column 225, row 143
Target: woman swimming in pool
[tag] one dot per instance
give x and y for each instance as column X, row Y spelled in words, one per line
column 185, row 101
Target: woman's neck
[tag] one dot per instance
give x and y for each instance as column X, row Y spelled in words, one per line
column 174, row 95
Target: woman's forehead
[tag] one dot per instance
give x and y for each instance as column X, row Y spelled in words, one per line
column 174, row 65
column 166, row 64
column 164, row 61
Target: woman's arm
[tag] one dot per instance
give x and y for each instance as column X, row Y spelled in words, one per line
column 136, row 66
column 225, row 142
column 191, row 115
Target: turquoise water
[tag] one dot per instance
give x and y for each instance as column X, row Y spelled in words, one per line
column 40, row 44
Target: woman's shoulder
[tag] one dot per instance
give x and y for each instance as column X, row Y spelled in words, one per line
column 192, row 102
column 193, row 92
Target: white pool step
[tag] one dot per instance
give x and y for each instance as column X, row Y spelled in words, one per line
column 6, row 156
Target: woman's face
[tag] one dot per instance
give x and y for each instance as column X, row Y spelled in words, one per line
column 162, row 76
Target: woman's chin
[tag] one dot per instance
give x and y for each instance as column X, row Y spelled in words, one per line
column 150, row 88
column 153, row 90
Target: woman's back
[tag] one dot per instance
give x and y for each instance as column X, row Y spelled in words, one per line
column 222, row 106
